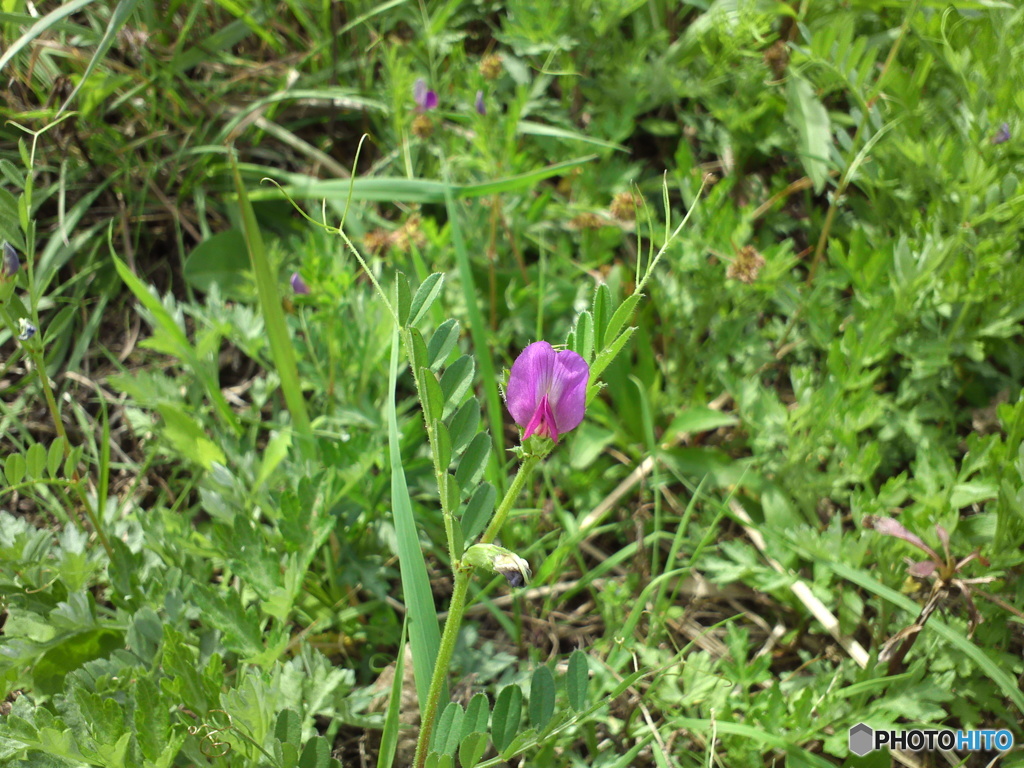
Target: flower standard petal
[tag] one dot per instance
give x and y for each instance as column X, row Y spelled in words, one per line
column 568, row 392
column 528, row 381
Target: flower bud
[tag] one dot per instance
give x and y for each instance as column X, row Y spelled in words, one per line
column 500, row 560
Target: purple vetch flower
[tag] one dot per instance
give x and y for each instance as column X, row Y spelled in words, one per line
column 10, row 265
column 481, row 108
column 299, row 285
column 425, row 98
column 1003, row 135
column 547, row 390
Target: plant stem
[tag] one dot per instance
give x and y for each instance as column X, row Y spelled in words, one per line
column 525, row 470
column 444, row 658
column 458, row 608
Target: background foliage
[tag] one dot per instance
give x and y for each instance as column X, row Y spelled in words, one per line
column 193, row 575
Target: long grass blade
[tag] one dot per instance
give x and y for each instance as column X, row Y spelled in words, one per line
column 273, row 318
column 117, row 19
column 424, row 633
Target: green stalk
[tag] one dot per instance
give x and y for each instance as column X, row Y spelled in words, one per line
column 494, row 528
column 444, row 658
column 458, row 607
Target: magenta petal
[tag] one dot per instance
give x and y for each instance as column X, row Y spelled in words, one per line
column 568, row 391
column 547, row 390
column 527, row 383
column 430, row 102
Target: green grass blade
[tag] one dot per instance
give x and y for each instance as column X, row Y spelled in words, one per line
column 389, row 736
column 41, row 26
column 530, row 128
column 391, row 189
column 424, row 633
column 273, row 317
column 117, row 19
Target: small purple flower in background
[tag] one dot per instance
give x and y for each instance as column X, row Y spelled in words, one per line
column 1003, row 136
column 10, row 264
column 481, row 108
column 547, row 390
column 425, row 98
column 299, row 285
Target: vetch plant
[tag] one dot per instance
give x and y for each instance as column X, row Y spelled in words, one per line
column 547, row 394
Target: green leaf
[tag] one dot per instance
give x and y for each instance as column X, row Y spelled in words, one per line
column 442, row 444
column 442, row 342
column 700, row 419
column 397, row 189
column 221, row 260
column 477, row 714
column 151, row 720
column 808, row 116
column 602, row 309
column 316, row 754
column 35, row 460
column 188, row 438
column 288, row 729
column 455, row 382
column 577, row 680
column 584, row 336
column 425, row 296
column 14, row 468
column 473, row 461
column 403, row 301
column 10, row 229
column 70, row 654
column 606, row 357
column 472, row 749
column 433, row 398
column 507, row 713
column 479, row 510
column 448, row 729
column 542, row 697
column 420, row 355
column 464, row 424
column 519, row 743
column 55, row 456
column 620, row 317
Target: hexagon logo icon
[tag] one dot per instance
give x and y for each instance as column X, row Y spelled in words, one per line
column 861, row 739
